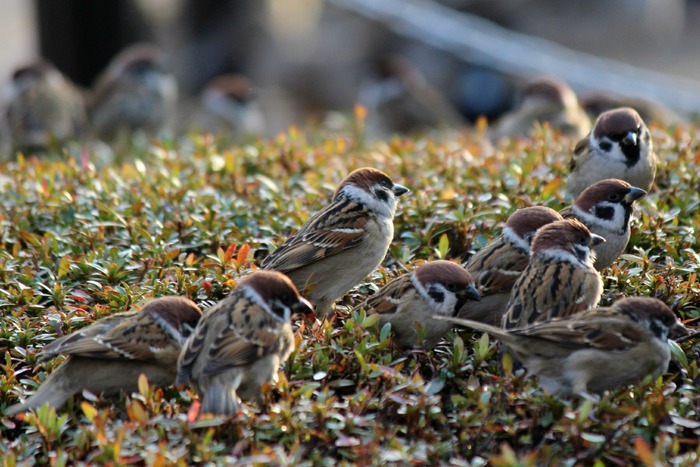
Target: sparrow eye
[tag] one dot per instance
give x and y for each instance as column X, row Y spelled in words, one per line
column 385, row 183
column 605, row 145
column 584, row 240
column 614, row 197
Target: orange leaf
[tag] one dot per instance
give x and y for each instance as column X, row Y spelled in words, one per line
column 243, row 253
column 193, row 412
column 230, row 251
column 644, row 452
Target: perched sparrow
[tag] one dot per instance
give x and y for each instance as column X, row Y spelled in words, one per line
column 135, row 92
column 619, row 146
column 498, row 265
column 227, row 105
column 400, row 100
column 597, row 350
column 605, row 208
column 43, row 106
column 108, row 356
column 241, row 342
column 343, row 243
column 546, row 100
column 560, row 279
column 409, row 302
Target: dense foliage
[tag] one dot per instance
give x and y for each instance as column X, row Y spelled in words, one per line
column 81, row 241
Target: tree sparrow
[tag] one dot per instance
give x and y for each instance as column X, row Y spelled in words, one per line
column 399, row 99
column 108, row 356
column 560, row 279
column 409, row 302
column 343, row 243
column 227, row 105
column 498, row 265
column 546, row 100
column 619, row 146
column 135, row 92
column 43, row 106
column 594, row 351
column 605, row 208
column 241, row 342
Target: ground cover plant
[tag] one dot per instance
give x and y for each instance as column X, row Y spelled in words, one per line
column 81, row 241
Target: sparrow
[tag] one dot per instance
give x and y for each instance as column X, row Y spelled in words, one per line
column 43, row 106
column 108, row 356
column 498, row 265
column 134, row 92
column 399, row 99
column 606, row 208
column 227, row 105
column 344, row 242
column 241, row 342
column 409, row 302
column 619, row 146
column 594, row 351
column 545, row 100
column 559, row 280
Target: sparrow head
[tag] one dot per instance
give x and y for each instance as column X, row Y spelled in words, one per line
column 27, row 75
column 551, row 91
column 608, row 201
column 654, row 314
column 177, row 315
column 373, row 188
column 522, row 224
column 234, row 88
column 621, row 135
column 446, row 286
column 568, row 240
column 275, row 293
column 143, row 64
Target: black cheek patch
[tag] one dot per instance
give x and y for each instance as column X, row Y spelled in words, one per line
column 604, row 212
column 278, row 310
column 605, row 146
column 381, row 194
column 436, row 295
column 658, row 329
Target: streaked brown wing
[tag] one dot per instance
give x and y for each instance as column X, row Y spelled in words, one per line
column 250, row 334
column 606, row 332
column 497, row 266
column 547, row 290
column 387, row 299
column 567, row 213
column 580, row 148
column 338, row 227
column 84, row 342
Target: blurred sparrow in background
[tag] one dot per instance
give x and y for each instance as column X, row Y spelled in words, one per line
column 135, row 92
column 227, row 106
column 42, row 106
column 546, row 100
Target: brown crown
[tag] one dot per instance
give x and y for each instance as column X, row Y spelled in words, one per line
column 444, row 272
column 527, row 220
column 617, row 122
column 600, row 191
column 365, row 178
column 176, row 311
column 270, row 284
column 560, row 234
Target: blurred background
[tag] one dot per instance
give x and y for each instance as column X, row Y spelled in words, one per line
column 308, row 57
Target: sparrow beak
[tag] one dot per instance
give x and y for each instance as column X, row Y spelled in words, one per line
column 634, row 194
column 303, row 306
column 630, row 139
column 399, row 189
column 596, row 239
column 677, row 331
column 470, row 292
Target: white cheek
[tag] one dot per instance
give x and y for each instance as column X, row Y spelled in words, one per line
column 615, row 153
column 384, row 209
